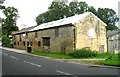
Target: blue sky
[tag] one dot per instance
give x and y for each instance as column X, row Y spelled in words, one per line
column 30, row 9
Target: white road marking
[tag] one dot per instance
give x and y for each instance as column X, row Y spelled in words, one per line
column 12, row 57
column 63, row 72
column 33, row 64
column 6, row 54
column 26, row 62
column 38, row 65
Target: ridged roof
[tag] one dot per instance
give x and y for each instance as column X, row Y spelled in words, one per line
column 69, row 20
column 61, row 22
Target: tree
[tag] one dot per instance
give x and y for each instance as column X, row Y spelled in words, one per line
column 92, row 9
column 109, row 17
column 56, row 11
column 76, row 7
column 9, row 23
column 59, row 9
column 5, row 41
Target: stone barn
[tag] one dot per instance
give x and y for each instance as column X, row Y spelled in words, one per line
column 80, row 31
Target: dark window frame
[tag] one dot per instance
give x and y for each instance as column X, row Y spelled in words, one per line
column 31, row 43
column 18, row 43
column 39, row 43
column 46, row 41
column 24, row 43
column 27, row 43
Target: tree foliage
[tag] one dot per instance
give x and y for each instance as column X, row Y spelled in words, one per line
column 59, row 9
column 5, row 40
column 109, row 17
column 9, row 23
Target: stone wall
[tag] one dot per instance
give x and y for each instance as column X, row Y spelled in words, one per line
column 67, row 37
column 63, row 42
column 82, row 38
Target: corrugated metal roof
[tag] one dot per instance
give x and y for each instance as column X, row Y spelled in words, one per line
column 25, row 30
column 69, row 20
column 61, row 22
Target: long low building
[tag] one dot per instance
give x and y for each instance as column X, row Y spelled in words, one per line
column 80, row 31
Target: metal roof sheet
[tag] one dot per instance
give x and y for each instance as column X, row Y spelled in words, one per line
column 69, row 20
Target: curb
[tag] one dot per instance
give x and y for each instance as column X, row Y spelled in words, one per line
column 66, row 60
column 90, row 65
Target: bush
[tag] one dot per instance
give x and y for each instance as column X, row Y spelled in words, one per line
column 83, row 53
column 5, row 41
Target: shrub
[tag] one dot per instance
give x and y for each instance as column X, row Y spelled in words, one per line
column 83, row 53
column 5, row 41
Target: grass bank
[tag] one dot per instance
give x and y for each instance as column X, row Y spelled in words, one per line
column 111, row 58
column 53, row 55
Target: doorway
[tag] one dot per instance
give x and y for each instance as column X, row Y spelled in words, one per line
column 46, row 43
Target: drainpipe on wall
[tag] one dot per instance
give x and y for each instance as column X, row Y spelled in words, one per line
column 106, row 40
column 74, row 34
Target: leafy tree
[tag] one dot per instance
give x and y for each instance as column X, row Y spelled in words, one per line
column 5, row 40
column 73, row 8
column 59, row 9
column 56, row 11
column 83, row 7
column 109, row 17
column 92, row 9
column 9, row 23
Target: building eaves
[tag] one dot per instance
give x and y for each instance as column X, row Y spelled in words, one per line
column 24, row 30
column 58, row 23
column 61, row 22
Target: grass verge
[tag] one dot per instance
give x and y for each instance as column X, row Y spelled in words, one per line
column 111, row 58
column 53, row 55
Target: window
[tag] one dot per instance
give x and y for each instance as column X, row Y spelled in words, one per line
column 56, row 32
column 24, row 43
column 18, row 43
column 27, row 43
column 31, row 43
column 36, row 34
column 46, row 41
column 39, row 43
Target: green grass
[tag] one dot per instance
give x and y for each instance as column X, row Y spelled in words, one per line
column 110, row 63
column 105, row 55
column 53, row 55
column 111, row 58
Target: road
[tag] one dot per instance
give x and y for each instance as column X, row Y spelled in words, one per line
column 19, row 64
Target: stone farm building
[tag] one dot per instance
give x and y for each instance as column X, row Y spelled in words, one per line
column 80, row 31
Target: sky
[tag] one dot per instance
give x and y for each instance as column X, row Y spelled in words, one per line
column 30, row 9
